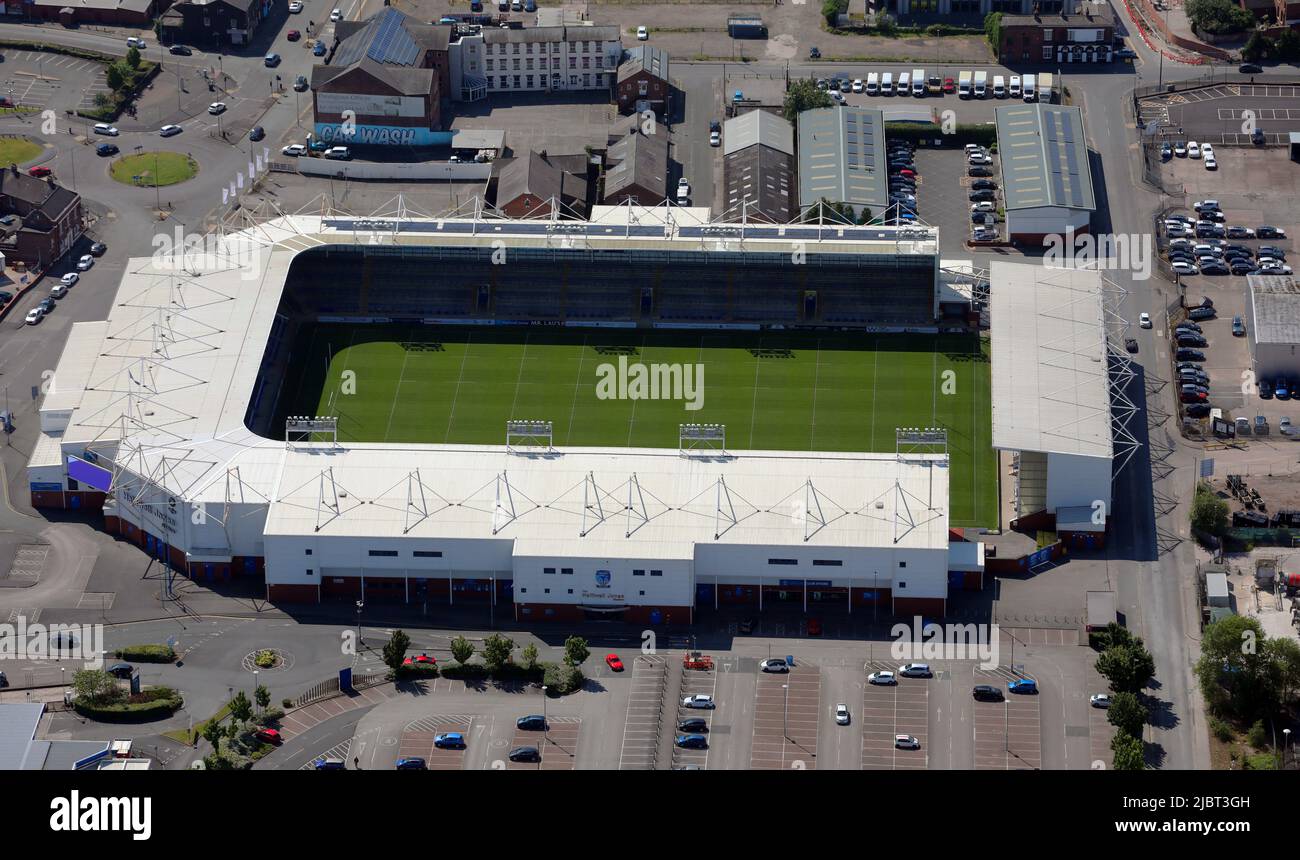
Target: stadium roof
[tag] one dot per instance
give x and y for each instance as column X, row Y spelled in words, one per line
column 757, row 126
column 842, row 157
column 1275, row 300
column 1051, row 390
column 577, row 503
column 1044, row 157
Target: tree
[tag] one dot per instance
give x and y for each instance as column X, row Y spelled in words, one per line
column 262, row 696
column 1286, row 46
column 1127, row 667
column 1128, row 752
column 1218, row 16
column 95, row 686
column 1128, row 714
column 240, row 708
column 1283, row 656
column 133, row 58
column 1256, row 47
column 575, row 651
column 801, row 96
column 1233, row 670
column 461, row 650
column 394, row 651
column 529, row 656
column 1113, row 634
column 886, row 24
column 1209, row 512
column 496, row 651
column 832, row 9
column 993, row 31
column 212, row 733
column 115, row 76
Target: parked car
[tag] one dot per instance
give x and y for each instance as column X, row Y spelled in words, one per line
column 692, row 742
column 1023, row 685
column 693, row 725
column 98, row 248
column 336, row 15
column 1193, row 149
column 613, row 661
column 217, row 108
column 531, row 723
column 1100, row 700
column 775, row 664
column 906, row 742
column 1238, row 327
column 269, row 736
column 698, row 701
column 300, row 84
column 294, row 149
column 295, row 7
column 642, row 33
column 293, row 35
column 121, row 670
column 40, row 171
column 85, row 262
column 271, row 60
column 69, row 279
column 1166, row 152
column 884, row 678
column 180, row 50
column 1236, row 232
column 1187, row 354
column 915, row 670
column 842, row 714
column 338, row 153
column 34, row 316
column 986, row 693
column 449, row 740
column 319, row 49
column 525, row 754
column 1268, row 232
column 1180, row 149
column 1144, row 320
column 978, row 171
column 329, row 764
column 411, row 763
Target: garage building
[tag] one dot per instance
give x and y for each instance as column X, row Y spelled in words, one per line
column 758, row 167
column 1273, row 326
column 842, row 159
column 1046, row 178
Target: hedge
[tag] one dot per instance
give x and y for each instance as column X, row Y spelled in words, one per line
column 147, row 654
column 156, row 703
column 416, row 671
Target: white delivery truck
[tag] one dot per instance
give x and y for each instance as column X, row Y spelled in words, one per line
column 981, row 84
column 918, row 82
column 963, row 85
column 1029, row 93
column 887, row 84
column 904, row 84
column 1045, row 84
column 999, row 87
column 873, row 84
column 1013, row 87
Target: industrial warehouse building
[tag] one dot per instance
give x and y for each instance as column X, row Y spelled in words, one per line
column 1053, row 408
column 758, row 167
column 842, row 159
column 1273, row 326
column 172, row 444
column 1046, row 178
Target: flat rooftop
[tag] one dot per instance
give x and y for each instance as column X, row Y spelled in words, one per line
column 1044, row 157
column 1276, row 302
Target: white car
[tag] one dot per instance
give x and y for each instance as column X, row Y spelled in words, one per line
column 986, row 206
column 1275, row 269
column 338, row 153
column 837, row 96
column 1285, row 427
column 336, row 15
column 1193, row 149
column 858, row 86
column 70, row 278
column 642, row 33
column 294, row 149
column 216, row 108
column 882, row 678
column 1184, row 268
column 976, row 159
column 136, row 42
column 1180, row 149
column 715, row 138
column 1100, row 700
column 683, row 186
column 59, row 290
column 1210, row 163
column 906, row 742
column 34, row 316
column 698, row 701
column 169, row 130
column 1205, row 204
column 295, row 7
column 775, row 664
column 842, row 714
column 1207, row 150
column 915, row 670
column 85, row 262
column 105, row 128
column 1144, row 319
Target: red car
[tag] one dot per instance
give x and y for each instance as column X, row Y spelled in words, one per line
column 294, row 35
column 40, row 171
column 614, row 663
column 949, row 85
column 271, row 736
column 422, row 658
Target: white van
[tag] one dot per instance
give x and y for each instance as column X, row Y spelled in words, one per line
column 1027, row 89
column 999, row 87
column 1014, row 89
column 904, row 84
column 918, row 82
column 873, row 84
column 887, row 84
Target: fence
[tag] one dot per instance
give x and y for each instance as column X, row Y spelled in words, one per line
column 480, row 171
column 330, row 687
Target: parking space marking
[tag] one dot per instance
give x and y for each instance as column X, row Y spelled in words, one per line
column 695, row 682
column 339, row 751
column 900, row 709
column 1008, row 734
column 786, row 721
column 417, row 740
column 645, row 706
column 558, row 745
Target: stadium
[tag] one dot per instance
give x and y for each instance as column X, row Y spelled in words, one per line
column 635, row 416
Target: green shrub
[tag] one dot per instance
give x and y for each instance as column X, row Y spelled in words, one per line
column 415, row 671
column 147, row 654
column 286, row 703
column 561, row 680
column 265, row 659
column 1220, row 729
column 269, row 717
column 1257, row 736
column 154, row 703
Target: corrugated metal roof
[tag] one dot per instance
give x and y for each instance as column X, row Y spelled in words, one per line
column 1044, row 157
column 842, row 157
column 1050, row 377
column 1276, row 303
column 757, row 126
column 18, row 722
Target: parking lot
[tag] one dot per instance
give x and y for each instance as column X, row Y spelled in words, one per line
column 887, row 711
column 787, row 714
column 558, row 746
column 1218, row 113
column 1008, row 734
column 694, row 683
column 943, row 195
column 645, row 706
column 42, row 80
column 417, row 741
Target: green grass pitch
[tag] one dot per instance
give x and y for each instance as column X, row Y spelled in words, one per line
column 785, row 391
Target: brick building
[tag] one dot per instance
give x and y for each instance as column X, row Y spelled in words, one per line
column 213, row 22
column 1086, row 36
column 644, row 81
column 47, row 218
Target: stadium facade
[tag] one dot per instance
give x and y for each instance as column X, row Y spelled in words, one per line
column 167, row 417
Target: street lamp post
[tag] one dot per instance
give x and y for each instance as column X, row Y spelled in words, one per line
column 361, row 639
column 255, row 688
column 1286, row 746
column 546, row 729
column 785, row 716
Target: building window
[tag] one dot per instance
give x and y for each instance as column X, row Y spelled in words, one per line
column 641, row 593
column 902, row 564
column 516, row 64
column 573, row 80
column 546, row 591
column 827, row 562
column 383, row 553
column 566, row 571
column 586, row 62
column 515, row 82
column 656, row 573
column 309, row 572
column 306, row 552
column 529, row 81
column 1047, row 34
column 523, row 591
column 529, row 49
column 638, row 573
column 489, row 66
column 427, row 553
column 548, row 570
column 573, row 62
column 902, row 586
column 783, row 561
column 1047, row 52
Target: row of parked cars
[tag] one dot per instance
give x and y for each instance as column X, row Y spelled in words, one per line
column 64, row 284
column 1191, row 149
column 902, row 177
column 983, row 194
column 1200, row 245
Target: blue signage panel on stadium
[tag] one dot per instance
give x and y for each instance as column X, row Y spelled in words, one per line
column 93, row 476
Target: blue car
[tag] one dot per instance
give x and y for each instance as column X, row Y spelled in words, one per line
column 412, row 763
column 329, row 764
column 319, row 49
column 693, row 742
column 1023, row 685
column 1282, row 390
column 106, row 149
column 449, row 741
